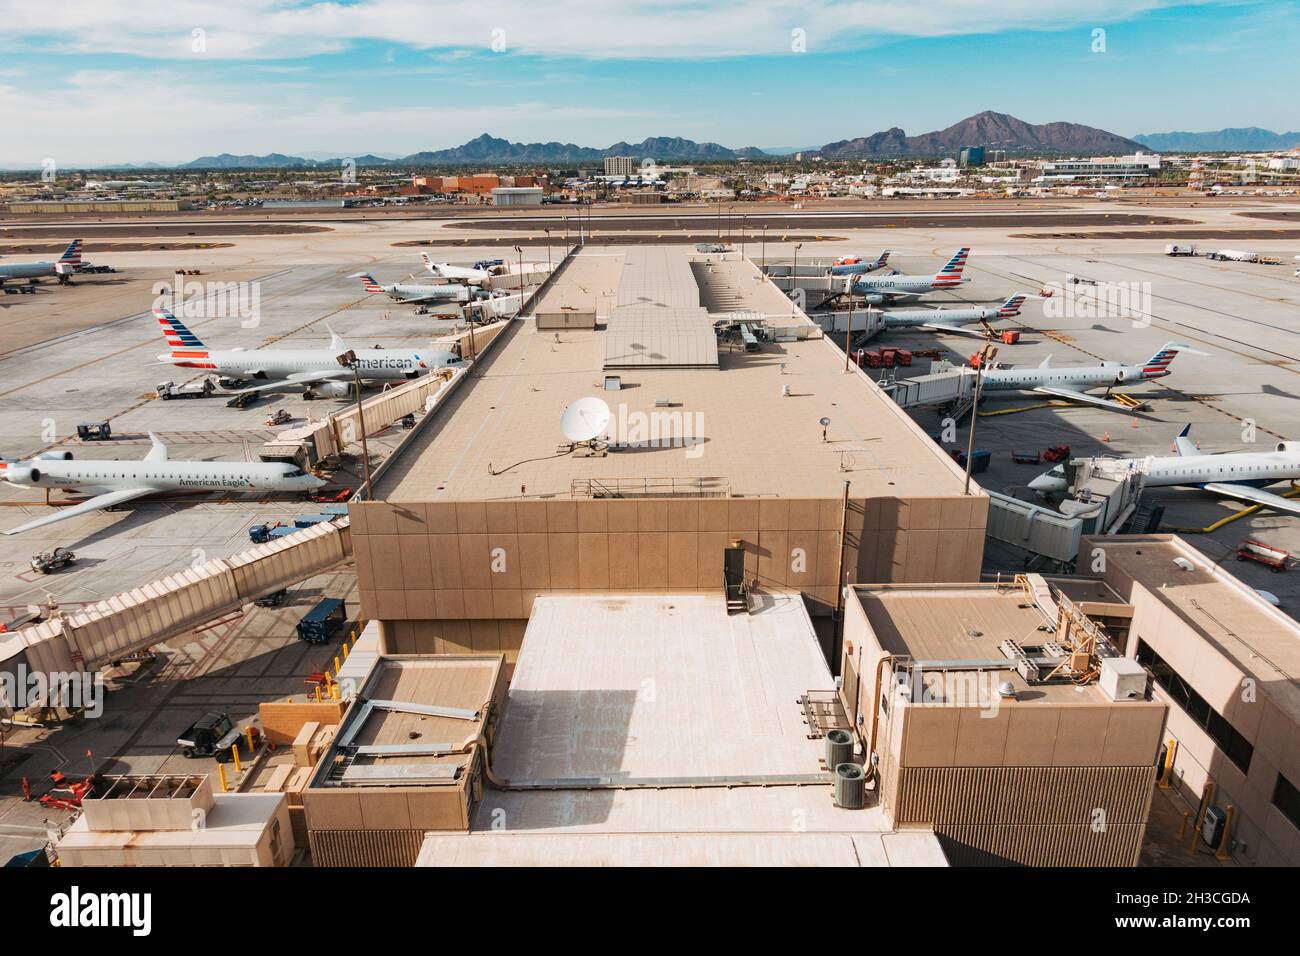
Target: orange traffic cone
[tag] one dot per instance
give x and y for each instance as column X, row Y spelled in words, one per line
column 1134, row 423
column 1106, row 437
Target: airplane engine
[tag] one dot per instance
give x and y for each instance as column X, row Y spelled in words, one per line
column 1121, row 376
column 55, row 456
column 23, row 475
column 331, row 390
column 1291, row 446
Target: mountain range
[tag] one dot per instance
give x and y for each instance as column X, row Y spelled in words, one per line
column 988, row 129
column 1249, row 139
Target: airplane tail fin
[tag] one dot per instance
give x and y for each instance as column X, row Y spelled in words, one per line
column 429, row 263
column 950, row 274
column 70, row 261
column 1158, row 364
column 184, row 343
column 370, row 283
column 72, row 255
column 883, row 259
column 1012, row 306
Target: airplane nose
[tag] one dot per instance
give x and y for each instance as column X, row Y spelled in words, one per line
column 1047, row 482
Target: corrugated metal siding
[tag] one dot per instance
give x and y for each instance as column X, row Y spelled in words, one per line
column 1024, row 795
column 365, row 847
column 990, row 845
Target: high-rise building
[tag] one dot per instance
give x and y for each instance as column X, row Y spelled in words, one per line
column 619, row 165
column 971, row 156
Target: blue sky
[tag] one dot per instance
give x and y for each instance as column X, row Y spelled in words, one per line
column 137, row 80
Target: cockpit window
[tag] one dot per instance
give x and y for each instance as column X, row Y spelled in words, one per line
column 295, row 473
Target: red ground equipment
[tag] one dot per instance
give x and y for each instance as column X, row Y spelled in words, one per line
column 1274, row 558
column 1057, row 453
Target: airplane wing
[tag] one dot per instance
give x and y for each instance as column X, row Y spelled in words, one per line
column 85, row 507
column 1084, row 397
column 946, row 327
column 299, row 380
column 1254, row 496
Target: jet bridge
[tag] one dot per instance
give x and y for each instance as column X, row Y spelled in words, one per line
column 937, row 388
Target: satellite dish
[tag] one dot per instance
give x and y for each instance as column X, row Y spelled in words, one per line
column 584, row 419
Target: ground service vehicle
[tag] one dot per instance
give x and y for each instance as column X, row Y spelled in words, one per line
column 212, row 735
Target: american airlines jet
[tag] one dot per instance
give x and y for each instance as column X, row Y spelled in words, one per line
column 116, row 482
column 860, row 268
column 951, row 320
column 68, row 264
column 1236, row 475
column 280, row 369
column 1072, row 381
column 416, row 292
column 880, row 289
column 445, row 270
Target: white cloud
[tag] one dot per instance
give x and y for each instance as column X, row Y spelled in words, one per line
column 165, row 116
column 602, row 29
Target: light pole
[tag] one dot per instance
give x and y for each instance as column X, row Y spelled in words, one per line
column 520, row 251
column 349, row 361
column 763, row 248
column 794, row 278
column 743, row 222
column 988, row 352
column 548, row 250
column 848, row 331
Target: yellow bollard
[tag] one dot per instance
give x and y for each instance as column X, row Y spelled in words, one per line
column 221, row 775
column 317, row 692
column 1182, row 824
column 1167, row 772
column 336, row 663
column 234, row 752
column 346, row 648
column 334, row 691
column 248, row 735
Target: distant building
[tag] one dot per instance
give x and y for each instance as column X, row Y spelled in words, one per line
column 971, row 156
column 1137, row 166
column 619, row 165
column 517, row 196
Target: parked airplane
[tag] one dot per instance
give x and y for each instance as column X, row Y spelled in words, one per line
column 951, row 320
column 1237, row 475
column 116, row 482
column 416, row 292
column 859, row 268
column 279, row 369
column 68, row 264
column 1072, row 381
column 879, row 289
column 445, row 270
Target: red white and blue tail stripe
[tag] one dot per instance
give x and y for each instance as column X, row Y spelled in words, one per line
column 1011, row 306
column 72, row 255
column 950, row 274
column 1158, row 364
column 186, row 348
column 370, row 283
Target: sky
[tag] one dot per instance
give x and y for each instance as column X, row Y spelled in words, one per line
column 86, row 82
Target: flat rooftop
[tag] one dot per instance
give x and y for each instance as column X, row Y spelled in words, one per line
column 413, row 687
column 637, row 690
column 1261, row 640
column 964, row 623
column 752, row 422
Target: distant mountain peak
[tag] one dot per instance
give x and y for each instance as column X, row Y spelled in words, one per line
column 989, row 129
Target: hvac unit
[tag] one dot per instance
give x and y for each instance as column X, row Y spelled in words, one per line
column 1123, row 678
column 839, row 747
column 850, row 786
